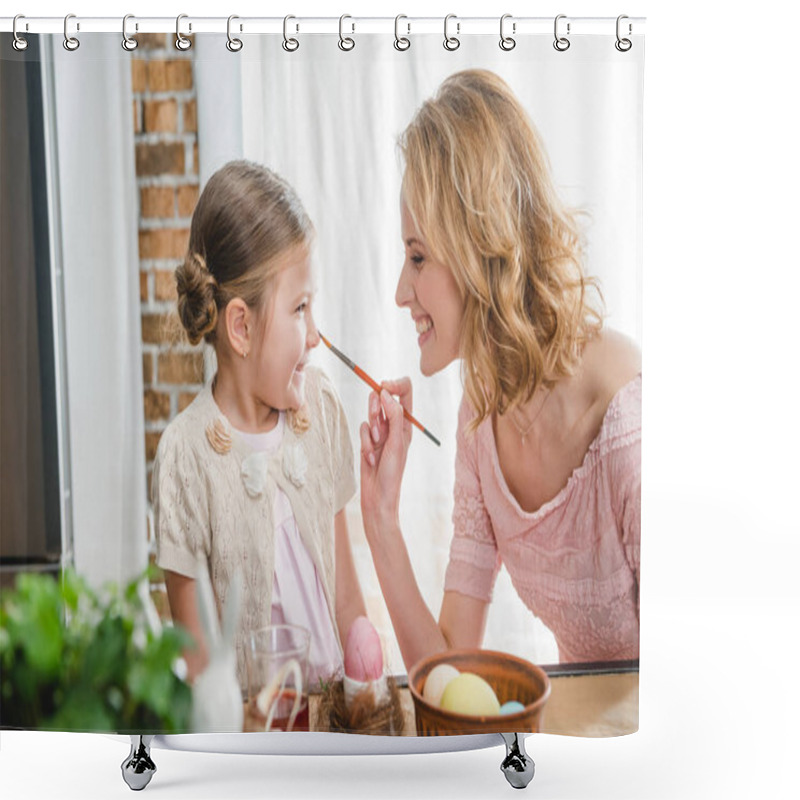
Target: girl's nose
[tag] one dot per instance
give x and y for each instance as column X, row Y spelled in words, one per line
column 312, row 337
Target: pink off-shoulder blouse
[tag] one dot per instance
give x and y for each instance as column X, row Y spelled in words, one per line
column 575, row 561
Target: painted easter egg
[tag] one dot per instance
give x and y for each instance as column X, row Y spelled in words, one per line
column 470, row 694
column 437, row 680
column 363, row 654
column 512, row 707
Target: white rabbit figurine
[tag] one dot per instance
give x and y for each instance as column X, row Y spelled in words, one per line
column 216, row 697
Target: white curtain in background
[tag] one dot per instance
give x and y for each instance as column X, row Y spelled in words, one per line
column 329, row 121
column 219, row 113
column 98, row 205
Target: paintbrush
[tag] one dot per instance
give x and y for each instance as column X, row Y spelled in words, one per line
column 375, row 386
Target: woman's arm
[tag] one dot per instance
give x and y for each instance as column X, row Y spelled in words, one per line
column 349, row 600
column 462, row 619
column 182, row 596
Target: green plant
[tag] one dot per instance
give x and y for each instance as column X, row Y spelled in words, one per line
column 73, row 659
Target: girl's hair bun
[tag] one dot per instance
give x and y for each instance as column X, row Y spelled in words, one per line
column 197, row 297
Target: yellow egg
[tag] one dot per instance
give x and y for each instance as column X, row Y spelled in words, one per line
column 437, row 680
column 470, row 694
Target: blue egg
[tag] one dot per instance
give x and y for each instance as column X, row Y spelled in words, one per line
column 511, row 707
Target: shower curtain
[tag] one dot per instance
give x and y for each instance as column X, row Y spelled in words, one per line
column 129, row 142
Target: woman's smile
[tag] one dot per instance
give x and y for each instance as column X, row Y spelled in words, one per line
column 424, row 329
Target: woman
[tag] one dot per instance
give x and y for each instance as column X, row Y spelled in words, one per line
column 548, row 464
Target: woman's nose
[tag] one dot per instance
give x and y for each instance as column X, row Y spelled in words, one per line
column 405, row 291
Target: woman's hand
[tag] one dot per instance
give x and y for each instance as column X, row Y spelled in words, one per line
column 384, row 447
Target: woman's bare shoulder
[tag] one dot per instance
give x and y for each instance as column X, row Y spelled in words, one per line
column 611, row 360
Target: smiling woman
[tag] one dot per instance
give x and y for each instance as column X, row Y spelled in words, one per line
column 548, row 464
column 429, row 290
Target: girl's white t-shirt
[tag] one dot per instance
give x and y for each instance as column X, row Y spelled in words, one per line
column 297, row 594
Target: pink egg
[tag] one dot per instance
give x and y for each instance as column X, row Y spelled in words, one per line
column 363, row 654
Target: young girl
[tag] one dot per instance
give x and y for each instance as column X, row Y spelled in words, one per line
column 255, row 474
column 548, row 464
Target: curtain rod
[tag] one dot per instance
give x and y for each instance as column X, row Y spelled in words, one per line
column 462, row 26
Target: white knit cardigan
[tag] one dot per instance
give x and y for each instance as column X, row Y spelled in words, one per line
column 202, row 506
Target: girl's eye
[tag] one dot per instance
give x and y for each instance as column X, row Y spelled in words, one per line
column 302, row 307
column 417, row 260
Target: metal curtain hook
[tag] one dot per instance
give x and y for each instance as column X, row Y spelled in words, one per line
column 181, row 41
column 561, row 43
column 234, row 45
column 507, row 42
column 451, row 42
column 70, row 42
column 19, row 43
column 401, row 42
column 346, row 43
column 290, row 44
column 623, row 45
column 128, row 42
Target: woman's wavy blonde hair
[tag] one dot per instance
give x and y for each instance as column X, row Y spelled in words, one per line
column 247, row 217
column 477, row 184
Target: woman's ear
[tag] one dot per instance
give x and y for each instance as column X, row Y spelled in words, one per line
column 238, row 324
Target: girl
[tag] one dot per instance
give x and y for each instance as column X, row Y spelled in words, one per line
column 256, row 472
column 548, row 465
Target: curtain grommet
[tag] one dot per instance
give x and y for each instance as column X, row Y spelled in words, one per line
column 182, row 43
column 19, row 43
column 129, row 43
column 561, row 43
column 451, row 43
column 401, row 43
column 71, row 43
column 346, row 43
column 507, row 43
column 623, row 44
column 289, row 44
column 233, row 44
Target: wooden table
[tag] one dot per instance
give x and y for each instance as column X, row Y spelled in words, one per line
column 582, row 703
column 593, row 705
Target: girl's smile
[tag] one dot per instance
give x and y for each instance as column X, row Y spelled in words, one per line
column 278, row 339
column 290, row 333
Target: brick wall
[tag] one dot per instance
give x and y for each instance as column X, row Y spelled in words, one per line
column 165, row 128
column 165, row 136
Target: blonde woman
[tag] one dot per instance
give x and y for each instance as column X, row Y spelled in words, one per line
column 548, row 464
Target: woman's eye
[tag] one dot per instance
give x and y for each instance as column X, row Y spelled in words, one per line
column 302, row 307
column 417, row 260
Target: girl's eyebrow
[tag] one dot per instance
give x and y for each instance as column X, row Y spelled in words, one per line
column 411, row 241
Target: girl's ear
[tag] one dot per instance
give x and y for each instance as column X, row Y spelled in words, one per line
column 238, row 323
